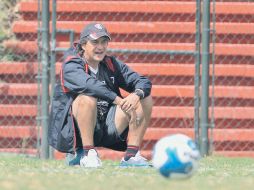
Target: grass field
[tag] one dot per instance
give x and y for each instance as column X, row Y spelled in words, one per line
column 216, row 173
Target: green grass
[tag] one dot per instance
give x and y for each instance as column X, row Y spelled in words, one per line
column 216, row 173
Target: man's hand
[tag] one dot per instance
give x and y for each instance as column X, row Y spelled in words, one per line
column 128, row 105
column 118, row 101
column 130, row 102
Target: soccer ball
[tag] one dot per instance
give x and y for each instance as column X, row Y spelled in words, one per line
column 176, row 156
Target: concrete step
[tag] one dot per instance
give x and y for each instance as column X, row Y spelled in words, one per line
column 139, row 27
column 166, row 7
column 141, row 11
column 163, row 95
column 15, row 89
column 19, row 132
column 220, row 123
column 226, row 70
column 29, row 47
column 159, row 112
column 151, row 134
column 155, row 79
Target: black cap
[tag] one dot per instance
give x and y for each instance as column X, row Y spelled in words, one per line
column 93, row 31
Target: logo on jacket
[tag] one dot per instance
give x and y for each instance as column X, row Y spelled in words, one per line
column 112, row 79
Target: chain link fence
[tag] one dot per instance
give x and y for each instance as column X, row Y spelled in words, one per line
column 18, row 84
column 151, row 40
column 233, row 80
column 155, row 38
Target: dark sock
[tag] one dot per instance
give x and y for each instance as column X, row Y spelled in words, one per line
column 130, row 152
column 79, row 154
column 87, row 148
column 79, row 151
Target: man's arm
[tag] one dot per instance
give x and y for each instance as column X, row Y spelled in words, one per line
column 131, row 81
column 78, row 81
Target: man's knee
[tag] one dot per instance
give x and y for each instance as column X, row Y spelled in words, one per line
column 147, row 103
column 83, row 101
column 144, row 107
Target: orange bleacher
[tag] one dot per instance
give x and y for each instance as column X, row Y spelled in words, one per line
column 167, row 118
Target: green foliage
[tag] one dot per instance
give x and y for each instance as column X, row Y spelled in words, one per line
column 8, row 14
column 23, row 173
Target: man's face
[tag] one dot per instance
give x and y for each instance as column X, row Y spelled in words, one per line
column 95, row 50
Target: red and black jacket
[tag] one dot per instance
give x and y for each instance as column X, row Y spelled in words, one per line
column 75, row 79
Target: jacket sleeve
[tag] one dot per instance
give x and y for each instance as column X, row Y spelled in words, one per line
column 76, row 80
column 130, row 80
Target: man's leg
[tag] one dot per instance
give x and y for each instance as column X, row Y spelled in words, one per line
column 143, row 115
column 137, row 130
column 85, row 112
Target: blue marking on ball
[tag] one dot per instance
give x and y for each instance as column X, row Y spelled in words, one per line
column 174, row 165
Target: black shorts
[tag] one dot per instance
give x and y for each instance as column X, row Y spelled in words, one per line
column 106, row 135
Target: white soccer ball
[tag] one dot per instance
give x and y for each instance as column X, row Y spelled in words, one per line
column 176, row 156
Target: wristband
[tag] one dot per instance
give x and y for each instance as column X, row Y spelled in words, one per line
column 139, row 93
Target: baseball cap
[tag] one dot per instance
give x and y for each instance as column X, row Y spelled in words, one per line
column 93, row 31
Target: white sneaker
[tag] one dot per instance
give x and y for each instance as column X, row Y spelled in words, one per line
column 136, row 161
column 92, row 160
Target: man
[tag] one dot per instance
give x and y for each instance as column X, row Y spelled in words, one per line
column 88, row 110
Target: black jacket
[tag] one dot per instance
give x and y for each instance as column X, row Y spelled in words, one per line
column 75, row 80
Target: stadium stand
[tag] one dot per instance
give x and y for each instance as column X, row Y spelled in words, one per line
column 173, row 79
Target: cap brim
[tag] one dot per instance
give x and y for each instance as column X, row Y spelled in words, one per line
column 98, row 35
